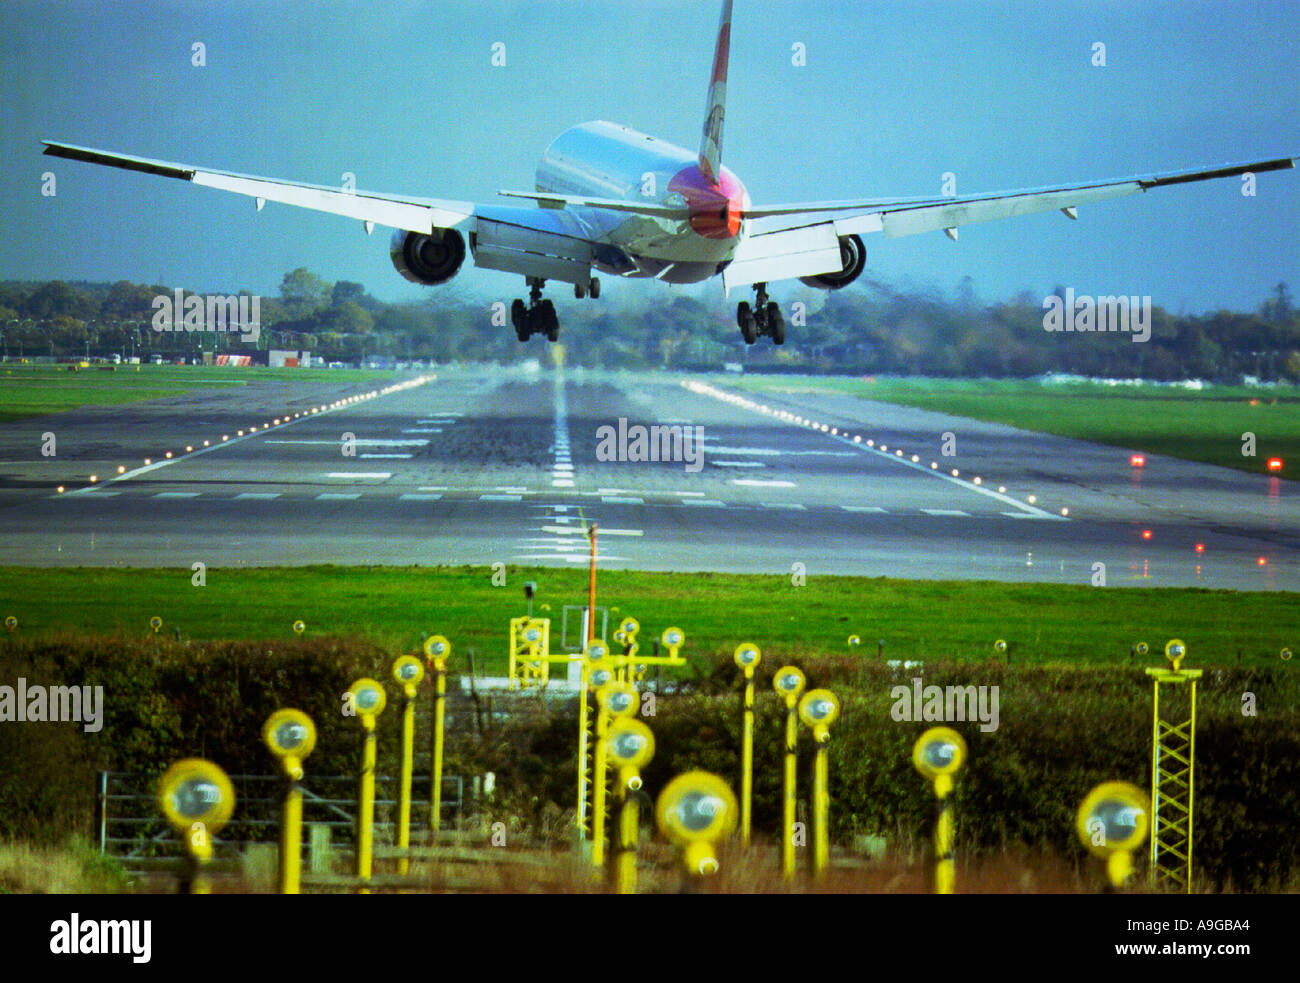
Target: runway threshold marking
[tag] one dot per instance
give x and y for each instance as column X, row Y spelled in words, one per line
column 763, row 483
column 337, row 496
column 417, row 497
column 360, row 475
column 257, row 496
column 941, row 512
column 873, row 509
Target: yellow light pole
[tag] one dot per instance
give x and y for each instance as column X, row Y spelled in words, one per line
column 789, row 683
column 594, row 664
column 291, row 735
column 1112, row 822
column 197, row 798
column 368, row 699
column 612, row 697
column 697, row 810
column 437, row 650
column 1173, row 771
column 818, row 710
column 408, row 671
column 629, row 745
column 747, row 657
column 938, row 754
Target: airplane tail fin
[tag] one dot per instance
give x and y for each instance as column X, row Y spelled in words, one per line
column 715, row 110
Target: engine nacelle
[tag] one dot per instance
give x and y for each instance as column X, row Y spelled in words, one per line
column 853, row 255
column 427, row 259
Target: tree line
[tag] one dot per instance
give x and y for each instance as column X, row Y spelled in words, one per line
column 870, row 327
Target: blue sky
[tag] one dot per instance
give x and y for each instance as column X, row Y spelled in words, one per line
column 893, row 94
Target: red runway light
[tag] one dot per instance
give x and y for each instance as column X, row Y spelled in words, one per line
column 1137, row 461
column 1200, row 547
column 1275, row 464
column 1146, row 533
column 1262, row 561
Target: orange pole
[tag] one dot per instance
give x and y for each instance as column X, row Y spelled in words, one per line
column 591, row 588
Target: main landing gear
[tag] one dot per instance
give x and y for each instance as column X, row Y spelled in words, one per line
column 538, row 316
column 764, row 319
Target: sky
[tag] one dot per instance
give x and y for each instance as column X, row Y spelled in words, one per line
column 891, row 95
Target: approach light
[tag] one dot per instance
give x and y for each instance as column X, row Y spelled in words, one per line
column 939, row 752
column 630, row 626
column 369, row 699
column 1137, row 461
column 1275, row 464
column 629, row 745
column 194, row 790
column 291, row 735
column 789, row 682
column 299, row 627
column 437, row 648
column 697, row 809
column 409, row 672
column 600, row 675
column 618, row 699
column 1175, row 652
column 747, row 657
column 818, row 710
column 673, row 638
column 1113, row 818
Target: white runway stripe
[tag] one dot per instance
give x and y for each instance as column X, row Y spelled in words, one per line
column 337, row 496
column 257, row 496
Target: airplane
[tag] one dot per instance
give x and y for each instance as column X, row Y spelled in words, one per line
column 610, row 199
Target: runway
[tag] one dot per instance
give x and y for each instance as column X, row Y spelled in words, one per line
column 482, row 466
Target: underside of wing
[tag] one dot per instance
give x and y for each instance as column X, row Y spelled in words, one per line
column 785, row 240
column 399, row 212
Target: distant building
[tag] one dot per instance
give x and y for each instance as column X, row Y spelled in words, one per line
column 281, row 358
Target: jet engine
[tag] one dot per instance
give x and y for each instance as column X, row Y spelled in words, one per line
column 427, row 259
column 853, row 256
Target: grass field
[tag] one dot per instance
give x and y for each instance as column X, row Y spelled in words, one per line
column 397, row 607
column 34, row 390
column 1205, row 425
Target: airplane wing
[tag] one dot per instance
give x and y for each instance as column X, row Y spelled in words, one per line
column 540, row 242
column 412, row 214
column 787, row 241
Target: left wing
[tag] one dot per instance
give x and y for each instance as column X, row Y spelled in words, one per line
column 787, row 241
column 412, row 214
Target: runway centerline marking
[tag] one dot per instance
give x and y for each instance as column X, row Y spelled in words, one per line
column 762, row 483
column 338, row 496
column 257, row 496
column 360, row 475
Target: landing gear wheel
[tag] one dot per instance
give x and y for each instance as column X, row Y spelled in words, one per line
column 745, row 318
column 595, row 288
column 775, row 323
column 519, row 318
column 549, row 323
column 579, row 291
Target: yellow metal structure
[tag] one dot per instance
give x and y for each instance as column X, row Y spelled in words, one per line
column 747, row 656
column 530, row 652
column 291, row 735
column 629, row 747
column 938, row 755
column 818, row 710
column 437, row 651
column 369, row 700
column 408, row 671
column 789, row 683
column 597, row 672
column 1173, row 761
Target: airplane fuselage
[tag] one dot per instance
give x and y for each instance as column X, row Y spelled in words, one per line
column 606, row 160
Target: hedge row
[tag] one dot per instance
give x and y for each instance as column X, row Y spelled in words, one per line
column 1061, row 730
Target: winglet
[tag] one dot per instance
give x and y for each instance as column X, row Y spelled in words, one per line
column 716, row 108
